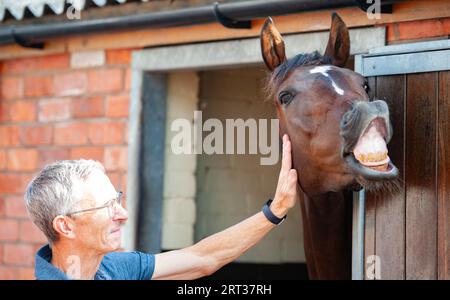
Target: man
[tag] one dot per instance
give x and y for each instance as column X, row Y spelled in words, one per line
column 77, row 208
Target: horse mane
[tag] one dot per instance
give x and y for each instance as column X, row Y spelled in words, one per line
column 282, row 71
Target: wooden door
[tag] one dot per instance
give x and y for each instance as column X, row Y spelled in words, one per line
column 410, row 231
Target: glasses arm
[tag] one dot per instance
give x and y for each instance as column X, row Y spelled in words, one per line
column 89, row 209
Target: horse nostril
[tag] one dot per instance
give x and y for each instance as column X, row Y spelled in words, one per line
column 349, row 115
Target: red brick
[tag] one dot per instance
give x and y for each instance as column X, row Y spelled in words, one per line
column 37, row 86
column 9, row 230
column 114, row 177
column 30, row 233
column 37, row 135
column 2, row 160
column 15, row 207
column 54, row 110
column 22, row 159
column 128, row 79
column 47, row 156
column 118, row 57
column 95, row 153
column 105, row 80
column 10, row 136
column 11, row 87
column 123, row 186
column 7, row 273
column 2, row 209
column 36, row 247
column 88, row 107
column 418, row 29
column 19, row 254
column 71, row 134
column 26, row 65
column 70, row 84
column 116, row 158
column 117, row 106
column 106, row 133
column 126, row 133
column 25, row 274
column 11, row 183
column 22, row 111
column 4, row 111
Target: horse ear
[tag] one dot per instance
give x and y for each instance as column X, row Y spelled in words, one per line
column 338, row 47
column 272, row 45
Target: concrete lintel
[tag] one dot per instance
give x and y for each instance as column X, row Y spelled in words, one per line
column 246, row 51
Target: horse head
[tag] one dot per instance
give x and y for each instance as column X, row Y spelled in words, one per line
column 338, row 135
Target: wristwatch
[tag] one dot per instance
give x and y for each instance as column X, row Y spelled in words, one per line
column 269, row 214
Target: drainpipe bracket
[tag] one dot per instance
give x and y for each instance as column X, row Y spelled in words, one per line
column 227, row 22
column 26, row 43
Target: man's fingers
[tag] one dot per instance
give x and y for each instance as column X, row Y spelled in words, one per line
column 293, row 175
column 286, row 163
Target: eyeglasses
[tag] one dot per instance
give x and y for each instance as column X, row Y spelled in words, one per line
column 111, row 204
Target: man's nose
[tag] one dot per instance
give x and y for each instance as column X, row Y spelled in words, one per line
column 120, row 213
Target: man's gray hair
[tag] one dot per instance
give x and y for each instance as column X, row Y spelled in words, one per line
column 56, row 191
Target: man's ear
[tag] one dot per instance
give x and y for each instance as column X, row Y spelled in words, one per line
column 272, row 45
column 64, row 227
column 338, row 47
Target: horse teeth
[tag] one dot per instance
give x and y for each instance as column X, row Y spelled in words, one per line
column 371, row 157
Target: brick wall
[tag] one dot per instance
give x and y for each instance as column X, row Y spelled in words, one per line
column 64, row 106
column 418, row 30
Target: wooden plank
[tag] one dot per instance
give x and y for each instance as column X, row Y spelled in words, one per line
column 15, row 51
column 390, row 211
column 370, row 204
column 444, row 176
column 420, row 173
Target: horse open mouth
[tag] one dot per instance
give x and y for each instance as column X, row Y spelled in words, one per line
column 369, row 157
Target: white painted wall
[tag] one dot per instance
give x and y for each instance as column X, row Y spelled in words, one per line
column 179, row 212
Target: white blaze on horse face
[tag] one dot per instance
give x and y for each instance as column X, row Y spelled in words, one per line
column 323, row 70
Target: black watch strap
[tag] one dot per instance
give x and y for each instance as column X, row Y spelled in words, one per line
column 269, row 214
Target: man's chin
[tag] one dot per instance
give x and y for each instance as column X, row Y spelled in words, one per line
column 114, row 245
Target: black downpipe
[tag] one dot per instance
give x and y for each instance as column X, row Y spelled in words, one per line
column 29, row 35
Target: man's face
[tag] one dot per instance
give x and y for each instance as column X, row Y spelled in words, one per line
column 98, row 230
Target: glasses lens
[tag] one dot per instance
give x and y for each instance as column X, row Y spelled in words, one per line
column 112, row 206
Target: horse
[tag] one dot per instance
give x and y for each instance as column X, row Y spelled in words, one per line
column 338, row 138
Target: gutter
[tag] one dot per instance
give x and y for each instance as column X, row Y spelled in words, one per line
column 233, row 15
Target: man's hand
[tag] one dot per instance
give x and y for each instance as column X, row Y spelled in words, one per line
column 287, row 189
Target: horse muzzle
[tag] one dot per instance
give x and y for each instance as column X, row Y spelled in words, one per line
column 366, row 130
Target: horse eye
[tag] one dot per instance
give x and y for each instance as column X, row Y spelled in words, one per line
column 285, row 98
column 366, row 87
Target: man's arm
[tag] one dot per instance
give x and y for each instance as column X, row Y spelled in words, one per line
column 215, row 251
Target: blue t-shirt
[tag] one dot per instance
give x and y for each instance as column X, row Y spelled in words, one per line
column 114, row 266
